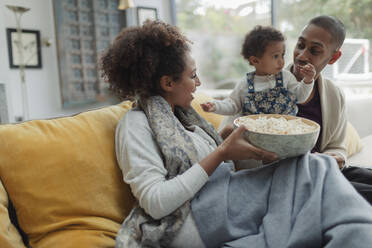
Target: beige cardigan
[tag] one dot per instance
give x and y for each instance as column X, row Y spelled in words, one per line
column 332, row 101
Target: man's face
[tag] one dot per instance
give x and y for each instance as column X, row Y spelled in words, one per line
column 313, row 46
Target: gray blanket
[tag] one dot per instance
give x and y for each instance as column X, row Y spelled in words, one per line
column 298, row 202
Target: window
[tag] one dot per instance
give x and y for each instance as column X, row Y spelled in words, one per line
column 353, row 70
column 217, row 28
column 84, row 29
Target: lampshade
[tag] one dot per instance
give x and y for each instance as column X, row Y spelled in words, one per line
column 18, row 9
column 125, row 4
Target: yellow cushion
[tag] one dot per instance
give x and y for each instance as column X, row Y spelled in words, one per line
column 214, row 119
column 353, row 143
column 9, row 235
column 63, row 178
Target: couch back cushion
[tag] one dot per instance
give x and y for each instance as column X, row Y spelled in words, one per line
column 63, row 179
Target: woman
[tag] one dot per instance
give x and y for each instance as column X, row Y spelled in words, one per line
column 173, row 161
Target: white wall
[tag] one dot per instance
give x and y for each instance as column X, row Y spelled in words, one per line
column 44, row 95
column 162, row 6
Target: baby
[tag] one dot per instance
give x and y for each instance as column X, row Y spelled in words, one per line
column 268, row 89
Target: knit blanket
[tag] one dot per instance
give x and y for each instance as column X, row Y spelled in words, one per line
column 298, row 202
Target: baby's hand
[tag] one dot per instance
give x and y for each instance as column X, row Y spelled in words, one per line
column 309, row 72
column 208, row 106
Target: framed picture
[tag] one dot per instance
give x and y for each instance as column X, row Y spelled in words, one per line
column 30, row 48
column 144, row 13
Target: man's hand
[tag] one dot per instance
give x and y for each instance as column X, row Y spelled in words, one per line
column 309, row 72
column 208, row 106
column 339, row 159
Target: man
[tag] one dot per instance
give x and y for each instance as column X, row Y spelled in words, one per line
column 319, row 44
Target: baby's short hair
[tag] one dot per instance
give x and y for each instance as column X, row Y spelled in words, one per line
column 256, row 41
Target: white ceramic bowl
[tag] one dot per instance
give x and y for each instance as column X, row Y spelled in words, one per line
column 285, row 145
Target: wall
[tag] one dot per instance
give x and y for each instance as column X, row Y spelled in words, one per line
column 43, row 87
column 162, row 6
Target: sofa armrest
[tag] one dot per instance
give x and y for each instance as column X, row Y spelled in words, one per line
column 364, row 157
column 358, row 112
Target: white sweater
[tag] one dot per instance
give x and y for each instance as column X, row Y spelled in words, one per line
column 140, row 161
column 232, row 105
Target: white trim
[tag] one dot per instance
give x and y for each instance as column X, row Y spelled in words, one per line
column 8, row 118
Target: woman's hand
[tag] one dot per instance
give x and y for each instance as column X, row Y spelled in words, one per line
column 235, row 147
column 228, row 129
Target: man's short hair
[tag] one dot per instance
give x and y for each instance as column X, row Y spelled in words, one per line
column 333, row 26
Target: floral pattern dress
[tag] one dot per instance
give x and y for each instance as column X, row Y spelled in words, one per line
column 277, row 100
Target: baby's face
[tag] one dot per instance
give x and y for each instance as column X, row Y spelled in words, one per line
column 272, row 61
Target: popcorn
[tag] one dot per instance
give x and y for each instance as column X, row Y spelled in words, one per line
column 272, row 125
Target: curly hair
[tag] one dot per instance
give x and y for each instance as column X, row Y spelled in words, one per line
column 140, row 56
column 256, row 41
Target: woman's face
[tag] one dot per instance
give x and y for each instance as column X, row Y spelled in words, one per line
column 183, row 89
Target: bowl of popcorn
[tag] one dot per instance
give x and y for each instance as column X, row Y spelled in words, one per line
column 286, row 135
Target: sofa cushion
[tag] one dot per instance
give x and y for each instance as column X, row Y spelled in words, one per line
column 353, row 143
column 63, row 179
column 9, row 235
